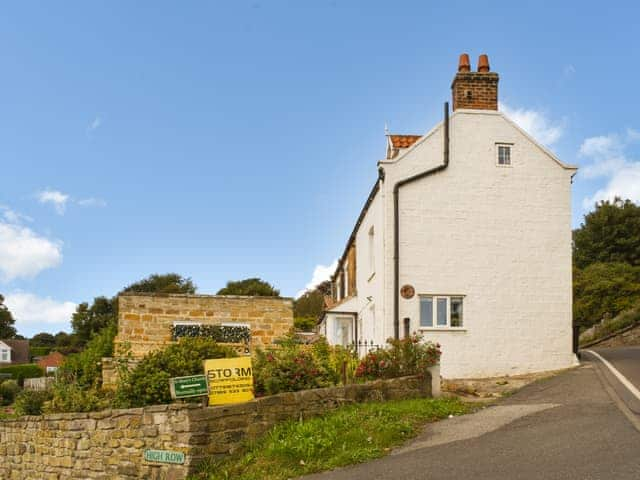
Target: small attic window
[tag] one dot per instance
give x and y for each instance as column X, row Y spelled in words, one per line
column 504, row 154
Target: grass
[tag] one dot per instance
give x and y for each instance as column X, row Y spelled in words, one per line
column 625, row 319
column 348, row 435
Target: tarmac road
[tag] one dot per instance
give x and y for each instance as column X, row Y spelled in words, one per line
column 567, row 427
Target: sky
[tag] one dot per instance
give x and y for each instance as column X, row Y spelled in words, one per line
column 226, row 140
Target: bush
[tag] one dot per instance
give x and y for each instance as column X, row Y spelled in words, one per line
column 148, row 383
column 409, row 356
column 20, row 372
column 69, row 397
column 85, row 368
column 31, row 402
column 625, row 319
column 304, row 324
column 39, row 351
column 293, row 367
column 8, row 391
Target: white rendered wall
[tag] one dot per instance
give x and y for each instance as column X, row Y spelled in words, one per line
column 499, row 236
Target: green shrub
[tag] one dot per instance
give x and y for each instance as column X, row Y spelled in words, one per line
column 409, row 356
column 304, row 324
column 148, row 383
column 8, row 391
column 85, row 368
column 292, row 367
column 39, row 351
column 625, row 319
column 20, row 372
column 31, row 402
column 69, row 397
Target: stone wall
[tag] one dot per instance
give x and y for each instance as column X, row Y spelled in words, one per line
column 629, row 336
column 111, row 444
column 145, row 321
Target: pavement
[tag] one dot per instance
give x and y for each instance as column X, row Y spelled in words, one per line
column 570, row 426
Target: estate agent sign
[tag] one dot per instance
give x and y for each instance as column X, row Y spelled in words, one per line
column 191, row 386
column 230, row 380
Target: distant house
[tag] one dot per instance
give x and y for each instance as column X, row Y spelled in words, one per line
column 14, row 352
column 465, row 238
column 51, row 362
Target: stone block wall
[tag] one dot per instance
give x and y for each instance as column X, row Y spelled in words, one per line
column 145, row 321
column 111, row 444
column 629, row 336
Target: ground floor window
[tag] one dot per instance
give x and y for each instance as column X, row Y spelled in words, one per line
column 441, row 311
column 344, row 326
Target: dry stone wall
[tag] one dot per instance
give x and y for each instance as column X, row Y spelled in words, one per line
column 145, row 321
column 111, row 444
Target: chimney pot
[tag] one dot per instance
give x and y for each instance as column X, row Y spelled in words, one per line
column 483, row 63
column 463, row 64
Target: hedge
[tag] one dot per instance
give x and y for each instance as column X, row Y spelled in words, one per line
column 219, row 333
column 20, row 372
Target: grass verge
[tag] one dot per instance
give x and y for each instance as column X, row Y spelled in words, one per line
column 347, row 435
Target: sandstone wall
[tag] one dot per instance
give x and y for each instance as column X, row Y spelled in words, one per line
column 111, row 444
column 145, row 321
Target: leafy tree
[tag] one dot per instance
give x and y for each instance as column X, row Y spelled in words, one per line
column 7, row 322
column 311, row 303
column 67, row 343
column 89, row 320
column 253, row 287
column 166, row 283
column 604, row 289
column 611, row 233
column 43, row 339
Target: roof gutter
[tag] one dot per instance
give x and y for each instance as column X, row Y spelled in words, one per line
column 396, row 221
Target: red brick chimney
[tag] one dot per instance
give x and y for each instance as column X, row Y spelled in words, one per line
column 475, row 90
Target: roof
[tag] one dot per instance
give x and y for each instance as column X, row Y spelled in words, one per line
column 54, row 359
column 19, row 350
column 403, row 141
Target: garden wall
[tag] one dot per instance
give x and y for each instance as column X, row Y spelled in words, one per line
column 111, row 444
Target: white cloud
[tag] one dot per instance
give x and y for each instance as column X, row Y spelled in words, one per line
column 23, row 253
column 36, row 314
column 95, row 124
column 320, row 274
column 12, row 216
column 608, row 159
column 54, row 197
column 92, row 202
column 535, row 123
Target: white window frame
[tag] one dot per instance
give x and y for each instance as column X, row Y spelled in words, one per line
column 5, row 352
column 434, row 312
column 186, row 322
column 510, row 147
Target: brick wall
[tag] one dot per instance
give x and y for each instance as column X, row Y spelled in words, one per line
column 111, row 444
column 475, row 90
column 145, row 321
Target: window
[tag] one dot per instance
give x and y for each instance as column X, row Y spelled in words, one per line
column 372, row 253
column 343, row 330
column 504, row 155
column 446, row 314
column 4, row 355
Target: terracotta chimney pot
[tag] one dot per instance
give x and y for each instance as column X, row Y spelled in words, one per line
column 483, row 64
column 463, row 64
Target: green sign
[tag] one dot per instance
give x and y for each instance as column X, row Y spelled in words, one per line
column 191, row 386
column 164, row 456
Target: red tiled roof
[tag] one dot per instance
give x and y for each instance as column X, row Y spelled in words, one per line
column 54, row 359
column 404, row 141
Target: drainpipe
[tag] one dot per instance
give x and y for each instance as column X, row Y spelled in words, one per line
column 396, row 221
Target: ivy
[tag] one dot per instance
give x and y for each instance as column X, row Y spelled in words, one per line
column 219, row 333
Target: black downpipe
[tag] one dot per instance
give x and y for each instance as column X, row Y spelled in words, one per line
column 396, row 221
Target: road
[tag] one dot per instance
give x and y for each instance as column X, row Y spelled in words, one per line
column 570, row 426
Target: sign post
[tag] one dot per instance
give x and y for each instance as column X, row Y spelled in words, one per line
column 230, row 380
column 191, row 386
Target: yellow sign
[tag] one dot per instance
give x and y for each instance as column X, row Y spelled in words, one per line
column 230, row 380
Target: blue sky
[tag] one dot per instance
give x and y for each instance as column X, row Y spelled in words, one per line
column 223, row 140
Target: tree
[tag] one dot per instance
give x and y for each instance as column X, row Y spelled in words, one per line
column 253, row 287
column 611, row 233
column 308, row 307
column 166, row 283
column 43, row 339
column 604, row 289
column 89, row 320
column 7, row 322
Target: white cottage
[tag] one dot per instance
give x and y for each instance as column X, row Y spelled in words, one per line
column 466, row 239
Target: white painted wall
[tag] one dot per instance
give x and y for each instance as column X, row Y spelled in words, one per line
column 500, row 236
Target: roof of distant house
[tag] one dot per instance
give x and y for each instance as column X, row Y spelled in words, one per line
column 54, row 359
column 403, row 141
column 19, row 350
